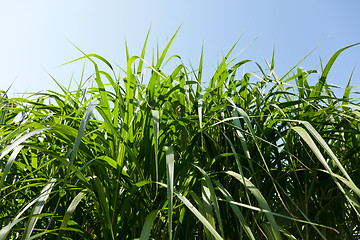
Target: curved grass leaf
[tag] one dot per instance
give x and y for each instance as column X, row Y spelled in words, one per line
column 145, row 232
column 170, row 182
column 210, row 194
column 8, row 165
column 70, row 211
column 259, row 197
column 39, row 205
column 322, row 80
column 20, row 140
column 80, row 134
column 196, row 212
column 306, row 137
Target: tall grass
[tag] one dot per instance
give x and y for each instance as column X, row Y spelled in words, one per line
column 165, row 156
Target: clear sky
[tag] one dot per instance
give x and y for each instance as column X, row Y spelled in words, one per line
column 37, row 36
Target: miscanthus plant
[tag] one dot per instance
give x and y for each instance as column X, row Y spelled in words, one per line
column 164, row 155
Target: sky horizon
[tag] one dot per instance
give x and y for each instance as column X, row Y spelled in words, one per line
column 38, row 36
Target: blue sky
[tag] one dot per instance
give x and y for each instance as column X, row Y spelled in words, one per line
column 37, row 36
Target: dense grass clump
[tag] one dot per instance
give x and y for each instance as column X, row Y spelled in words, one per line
column 175, row 159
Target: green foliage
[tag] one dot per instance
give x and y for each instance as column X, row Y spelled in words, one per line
column 162, row 156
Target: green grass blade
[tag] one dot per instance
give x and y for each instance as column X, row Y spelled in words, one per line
column 251, row 129
column 4, row 232
column 309, row 141
column 200, row 73
column 241, row 136
column 156, row 125
column 211, row 195
column 199, row 216
column 236, row 210
column 280, row 215
column 322, row 142
column 259, row 197
column 145, row 232
column 200, row 114
column 39, row 205
column 105, row 209
column 205, row 192
column 222, row 67
column 70, row 211
column 8, row 165
column 319, row 86
column 170, row 182
column 130, row 83
column 19, row 141
column 80, row 134
column 139, row 71
column 351, row 185
column 163, row 54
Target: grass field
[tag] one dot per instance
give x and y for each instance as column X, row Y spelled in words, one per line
column 163, row 155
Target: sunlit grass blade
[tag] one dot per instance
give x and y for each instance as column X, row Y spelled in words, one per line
column 170, row 182
column 242, row 139
column 8, row 165
column 198, row 215
column 309, row 141
column 322, row 80
column 80, row 134
column 246, row 118
column 200, row 114
column 74, row 203
column 260, row 198
column 139, row 71
column 205, row 193
column 4, row 232
column 156, row 125
column 20, row 140
column 211, row 195
column 236, row 210
column 39, row 205
column 279, row 215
